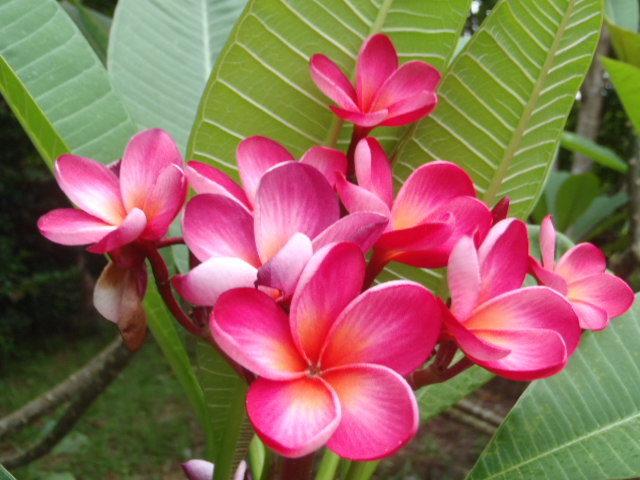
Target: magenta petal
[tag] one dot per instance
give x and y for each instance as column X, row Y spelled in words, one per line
column 129, row 231
column 253, row 330
column 547, row 277
column 164, row 202
column 91, row 186
column 217, row 226
column 605, row 291
column 256, row 155
column 204, row 178
column 329, row 161
column 358, row 199
column 370, row 119
column 471, row 217
column 548, row 243
column 197, row 469
column 463, row 275
column 283, row 270
column 332, row 82
column 581, row 261
column 206, row 282
column 373, row 170
column 332, row 278
column 68, row 226
column 407, row 82
column 424, row 246
column 377, row 61
column 383, row 326
column 292, row 198
column 294, row 418
column 379, row 412
column 361, row 228
column 590, row 316
column 411, row 109
column 146, row 156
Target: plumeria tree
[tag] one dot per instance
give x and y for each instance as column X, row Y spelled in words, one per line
column 346, row 239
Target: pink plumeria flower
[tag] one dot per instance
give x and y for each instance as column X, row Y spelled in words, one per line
column 330, row 371
column 295, row 212
column 579, row 275
column 197, row 469
column 255, row 155
column 435, row 207
column 518, row 333
column 384, row 94
column 138, row 203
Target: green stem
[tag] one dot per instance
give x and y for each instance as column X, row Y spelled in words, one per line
column 362, row 470
column 328, row 466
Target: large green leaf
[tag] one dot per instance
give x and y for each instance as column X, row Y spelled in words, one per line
column 581, row 423
column 602, row 155
column 505, row 99
column 574, row 198
column 625, row 43
column 624, row 13
column 262, row 85
column 626, row 80
column 161, row 64
column 94, row 25
column 56, row 85
column 5, row 475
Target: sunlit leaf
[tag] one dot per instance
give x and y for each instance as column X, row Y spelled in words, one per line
column 623, row 12
column 602, row 155
column 626, row 80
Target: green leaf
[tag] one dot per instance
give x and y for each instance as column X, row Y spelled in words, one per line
column 602, row 155
column 161, row 54
column 262, row 85
column 600, row 209
column 625, row 43
column 504, row 101
column 5, row 475
column 574, row 197
column 94, row 26
column 56, row 85
column 623, row 12
column 583, row 422
column 626, row 80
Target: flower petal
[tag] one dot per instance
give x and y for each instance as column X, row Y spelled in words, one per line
column 197, row 469
column 424, row 246
column 332, row 82
column 411, row 109
column 407, row 83
column 548, row 243
column 463, row 275
column 108, row 291
column 164, row 202
column 129, row 231
column 204, row 178
column 581, row 261
column 358, row 199
column 361, row 228
column 294, row 418
column 370, row 119
column 292, row 198
column 68, row 226
column 91, row 186
column 254, row 331
column 383, row 326
column 328, row 161
column 206, row 282
column 379, row 412
column 377, row 61
column 606, row 291
column 547, row 277
column 591, row 317
column 373, row 170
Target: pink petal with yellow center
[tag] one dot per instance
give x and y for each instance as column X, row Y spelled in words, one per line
column 373, row 170
column 254, row 331
column 329, row 161
column 206, row 282
column 581, row 261
column 294, row 418
column 68, row 226
column 411, row 109
column 407, row 82
column 217, row 226
column 164, row 202
column 146, row 156
column 129, row 231
column 591, row 317
column 91, row 186
column 548, row 243
column 256, row 155
column 204, row 178
column 370, row 119
column 358, row 199
column 605, row 291
column 463, row 275
column 292, row 198
column 379, row 412
column 383, row 326
column 332, row 82
column 361, row 228
column 377, row 61
column 332, row 278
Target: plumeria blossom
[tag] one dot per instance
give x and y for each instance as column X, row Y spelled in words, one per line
column 330, row 371
column 434, row 208
column 384, row 94
column 295, row 212
column 579, row 275
column 197, row 469
column 521, row 334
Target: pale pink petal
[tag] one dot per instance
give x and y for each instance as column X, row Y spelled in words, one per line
column 548, row 243
column 217, row 226
column 206, row 282
column 377, row 61
column 164, row 202
column 379, row 412
column 256, row 155
column 383, row 326
column 426, row 191
column 108, row 291
column 146, row 156
column 411, row 109
column 547, row 277
column 283, row 270
column 129, row 231
column 332, row 278
column 581, row 261
column 294, row 418
column 328, row 161
column 463, row 275
column 204, row 178
column 358, row 199
column 606, row 291
column 292, row 198
column 332, row 82
column 407, row 82
column 91, row 186
column 590, row 316
column 373, row 170
column 361, row 228
column 424, row 246
column 68, row 226
column 370, row 119
column 254, row 331
column 197, row 469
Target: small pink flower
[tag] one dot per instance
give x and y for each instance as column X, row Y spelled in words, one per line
column 521, row 334
column 579, row 275
column 139, row 202
column 330, row 371
column 384, row 94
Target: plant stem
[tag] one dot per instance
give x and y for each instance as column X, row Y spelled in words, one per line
column 167, row 242
column 328, row 466
column 362, row 470
column 374, row 267
column 434, row 374
column 296, row 468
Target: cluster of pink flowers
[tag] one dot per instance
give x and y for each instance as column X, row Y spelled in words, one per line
column 281, row 266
